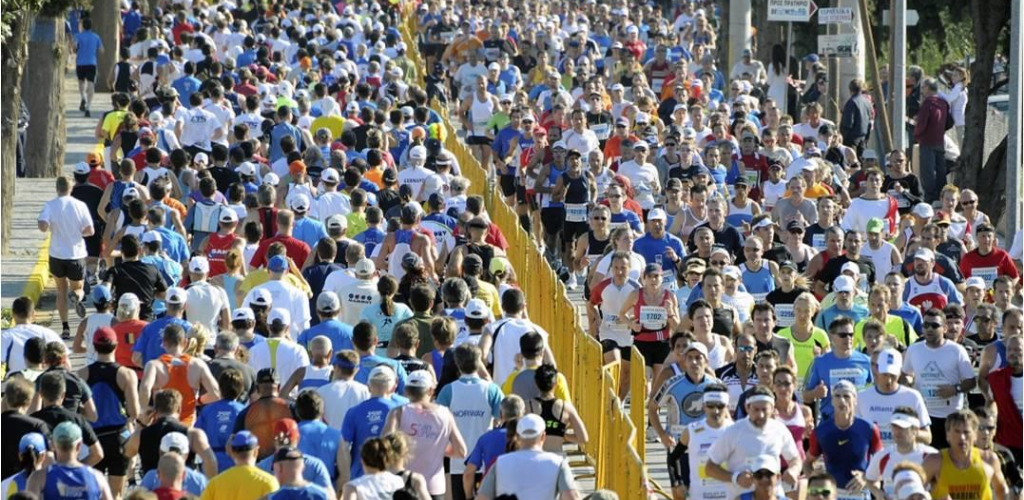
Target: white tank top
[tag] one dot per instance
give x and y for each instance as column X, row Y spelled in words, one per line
column 881, row 258
column 480, row 113
column 716, row 355
column 702, row 487
column 93, row 323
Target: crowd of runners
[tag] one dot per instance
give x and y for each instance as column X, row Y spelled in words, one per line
column 287, row 291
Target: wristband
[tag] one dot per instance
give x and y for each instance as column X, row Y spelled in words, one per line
column 735, row 477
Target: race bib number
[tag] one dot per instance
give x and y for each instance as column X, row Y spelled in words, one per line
column 852, row 495
column 989, row 274
column 785, row 314
column 653, row 317
column 668, row 281
column 601, row 130
column 575, row 212
column 612, row 325
column 818, row 241
column 852, row 375
column 759, row 297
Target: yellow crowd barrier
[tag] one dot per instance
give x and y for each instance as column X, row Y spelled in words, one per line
column 616, row 445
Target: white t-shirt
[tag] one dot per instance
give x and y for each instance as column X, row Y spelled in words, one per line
column 505, row 336
column 204, row 304
column 414, row 177
column 741, row 443
column 287, row 297
column 931, row 368
column 584, row 142
column 287, row 357
column 328, row 204
column 644, row 178
column 67, row 218
column 876, row 407
column 881, row 258
column 12, row 344
column 881, row 466
column 355, row 297
column 340, row 396
column 200, row 126
column 225, row 116
column 636, row 265
column 339, row 279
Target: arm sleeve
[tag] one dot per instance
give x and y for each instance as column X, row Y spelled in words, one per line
column 494, row 398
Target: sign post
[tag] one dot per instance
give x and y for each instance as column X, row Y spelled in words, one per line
column 790, row 11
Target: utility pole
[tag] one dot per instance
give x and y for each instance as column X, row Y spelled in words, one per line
column 899, row 74
column 872, row 60
column 740, row 33
column 1014, row 152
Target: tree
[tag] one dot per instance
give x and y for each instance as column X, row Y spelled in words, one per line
column 988, row 179
column 46, row 137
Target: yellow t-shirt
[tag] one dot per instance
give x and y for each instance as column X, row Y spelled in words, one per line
column 334, row 123
column 489, row 294
column 241, row 482
column 257, row 277
column 895, row 326
column 356, row 224
column 112, row 122
column 804, row 351
column 561, row 385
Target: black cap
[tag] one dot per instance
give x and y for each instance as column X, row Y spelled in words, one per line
column 390, row 176
column 788, row 264
column 472, row 263
column 287, row 453
column 433, row 145
column 795, row 224
column 267, row 376
column 573, row 152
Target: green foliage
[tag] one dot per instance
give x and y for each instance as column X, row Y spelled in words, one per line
column 943, row 35
column 6, row 318
column 13, row 9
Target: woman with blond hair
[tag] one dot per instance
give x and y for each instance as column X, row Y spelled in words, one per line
column 230, row 279
column 959, row 78
column 809, row 341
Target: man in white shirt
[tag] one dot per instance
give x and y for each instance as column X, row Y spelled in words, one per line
column 69, row 223
column 343, row 392
column 643, row 175
column 579, row 137
column 415, row 173
column 877, row 403
column 500, row 340
column 200, row 127
column 222, row 110
column 13, row 339
column 279, row 351
column 904, row 446
column 207, row 303
column 360, row 293
column 330, row 202
column 749, row 65
column 530, row 472
column 283, row 295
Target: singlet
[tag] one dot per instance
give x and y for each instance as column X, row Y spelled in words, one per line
column 94, row 322
column 485, row 252
column 702, row 436
column 108, row 397
column 926, row 296
column 134, row 229
column 596, row 247
column 268, row 219
column 686, row 398
column 738, row 215
column 723, row 323
column 577, row 194
column 716, row 355
column 65, row 482
column 803, row 351
column 553, row 174
column 149, row 441
column 653, row 318
column 480, row 113
column 553, row 425
column 217, row 246
column 796, row 424
column 316, row 376
column 177, row 379
column 963, row 484
column 758, row 283
column 403, row 245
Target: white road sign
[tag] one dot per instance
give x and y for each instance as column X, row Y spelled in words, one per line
column 844, row 45
column 794, row 11
column 835, row 15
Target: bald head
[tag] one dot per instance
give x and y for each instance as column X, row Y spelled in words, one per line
column 171, row 469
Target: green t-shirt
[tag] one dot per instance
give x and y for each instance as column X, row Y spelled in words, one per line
column 804, row 351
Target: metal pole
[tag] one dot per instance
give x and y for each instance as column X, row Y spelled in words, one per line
column 899, row 73
column 869, row 39
column 1014, row 146
column 789, row 56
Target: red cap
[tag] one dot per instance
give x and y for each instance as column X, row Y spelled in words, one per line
column 104, row 335
column 538, row 130
column 289, row 428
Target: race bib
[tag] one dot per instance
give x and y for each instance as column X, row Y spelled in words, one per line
column 818, row 241
column 668, row 281
column 989, row 274
column 676, row 430
column 575, row 212
column 852, row 495
column 851, row 375
column 786, row 315
column 601, row 130
column 759, row 297
column 612, row 325
column 653, row 317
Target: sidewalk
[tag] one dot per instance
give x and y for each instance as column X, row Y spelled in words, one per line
column 23, row 269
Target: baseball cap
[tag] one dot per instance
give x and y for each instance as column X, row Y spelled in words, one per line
column 641, row 144
column 365, row 267
column 499, row 265
column 243, row 314
column 905, row 421
column 104, row 335
column 720, row 250
column 923, row 210
column 558, row 145
column 199, row 264
column 732, row 272
column 795, row 225
column 472, row 264
column 530, row 426
column 844, row 386
column 336, row 221
column 476, row 309
column 924, row 253
column 279, row 315
column 384, row 373
column 152, row 237
column 412, row 260
column 811, row 151
column 299, row 202
column 418, row 153
column 850, row 266
column 94, row 159
column 32, row 440
column 942, row 218
column 765, row 222
column 975, row 282
column 696, row 346
column 869, row 154
column 910, row 489
column 67, row 433
column 875, row 225
column 176, row 295
column 261, row 297
column 420, row 378
column 271, row 179
column 765, row 462
column 330, row 176
column 328, row 302
column 129, row 300
column 287, row 453
column 267, row 376
column 843, row 284
column 201, row 159
column 657, row 214
column 228, row 216
column 82, row 168
column 101, row 293
column 890, row 361
column 788, row 264
column 245, row 440
column 642, row 118
column 246, row 168
column 278, row 264
column 174, row 441
column 811, row 58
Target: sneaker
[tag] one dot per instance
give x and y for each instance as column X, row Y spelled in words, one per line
column 81, row 105
column 652, row 437
column 571, row 284
column 65, row 334
column 88, row 114
column 77, row 303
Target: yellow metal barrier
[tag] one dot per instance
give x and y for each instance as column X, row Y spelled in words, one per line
column 616, row 445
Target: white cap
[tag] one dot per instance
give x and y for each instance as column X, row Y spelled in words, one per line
column 696, row 346
column 890, row 362
column 905, row 421
column 299, row 202
column 82, row 168
column 201, row 158
column 844, row 386
column 199, row 264
column 328, row 302
column 330, row 175
column 384, row 372
column 975, row 282
column 261, row 297
column 130, row 193
column 423, row 379
column 477, row 309
column 657, row 214
column 418, row 153
column 228, row 216
column 641, row 144
column 732, row 272
column 763, row 462
column 246, row 168
column 176, row 295
column 243, row 313
column 174, row 441
column 336, row 220
column 924, row 210
column 843, row 283
column 720, row 250
column 271, row 179
column 152, row 237
column 925, row 253
column 852, row 267
column 365, row 267
column 908, row 490
column 530, row 426
column 129, row 300
column 642, row 118
column 560, row 144
column 279, row 314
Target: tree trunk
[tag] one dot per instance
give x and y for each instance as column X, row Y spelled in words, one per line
column 992, row 179
column 106, row 22
column 990, row 19
column 44, row 156
column 722, row 40
column 14, row 53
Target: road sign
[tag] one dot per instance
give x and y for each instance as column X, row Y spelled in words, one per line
column 836, row 15
column 911, row 17
column 794, row 11
column 843, row 45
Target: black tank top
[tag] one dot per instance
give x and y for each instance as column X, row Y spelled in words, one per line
column 108, row 397
column 554, row 424
column 596, row 246
column 149, row 441
column 124, row 77
column 485, row 252
column 723, row 321
column 576, row 190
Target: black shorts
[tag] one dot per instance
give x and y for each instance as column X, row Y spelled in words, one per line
column 114, row 462
column 552, row 218
column 86, row 73
column 609, row 345
column 508, row 185
column 523, row 198
column 573, row 230
column 654, row 352
column 94, row 243
column 73, row 269
column 676, row 473
column 457, row 492
column 478, row 140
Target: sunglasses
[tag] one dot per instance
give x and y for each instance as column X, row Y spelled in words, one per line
column 714, row 406
column 745, row 348
column 599, row 218
column 819, row 492
column 763, row 474
column 787, row 383
column 987, row 428
column 719, row 263
column 615, row 196
column 932, row 324
column 971, row 202
column 844, row 335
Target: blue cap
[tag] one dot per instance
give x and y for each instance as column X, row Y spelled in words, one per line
column 100, row 293
column 278, row 264
column 67, row 433
column 341, row 362
column 244, row 440
column 33, row 440
column 811, row 58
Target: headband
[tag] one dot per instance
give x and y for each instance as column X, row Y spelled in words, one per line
column 761, row 398
column 716, row 397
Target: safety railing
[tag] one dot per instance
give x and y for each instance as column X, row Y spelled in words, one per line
column 616, row 444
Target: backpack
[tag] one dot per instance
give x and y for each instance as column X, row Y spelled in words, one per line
column 949, row 117
column 205, row 217
column 407, row 491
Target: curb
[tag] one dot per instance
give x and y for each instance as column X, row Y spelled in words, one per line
column 40, row 275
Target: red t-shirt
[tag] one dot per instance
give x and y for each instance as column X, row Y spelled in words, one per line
column 997, row 263
column 296, row 249
column 168, row 494
column 128, row 332
column 100, row 177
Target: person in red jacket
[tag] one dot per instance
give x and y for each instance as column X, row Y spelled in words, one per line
column 1002, row 384
column 987, row 261
column 930, row 132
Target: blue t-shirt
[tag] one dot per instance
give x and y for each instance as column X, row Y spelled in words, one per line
column 87, row 45
column 826, row 317
column 385, row 324
column 186, row 86
column 370, row 238
column 217, row 420
column 367, row 363
column 912, row 315
column 314, row 471
column 174, row 244
column 489, row 447
column 626, row 217
column 339, row 333
column 309, row 231
column 845, row 450
column 321, row 441
column 364, row 421
column 151, row 338
column 502, row 144
column 653, row 250
column 194, row 484
column 830, row 369
column 308, row 492
column 277, row 133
